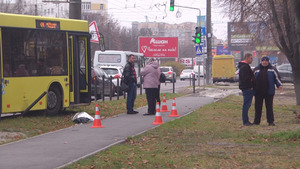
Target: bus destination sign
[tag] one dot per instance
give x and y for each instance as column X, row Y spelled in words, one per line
column 47, row 24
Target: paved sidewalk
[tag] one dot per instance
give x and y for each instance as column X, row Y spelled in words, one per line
column 62, row 147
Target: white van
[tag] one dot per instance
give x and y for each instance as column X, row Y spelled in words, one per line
column 196, row 67
column 118, row 58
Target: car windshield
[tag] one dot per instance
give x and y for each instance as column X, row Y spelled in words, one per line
column 110, row 71
column 164, row 69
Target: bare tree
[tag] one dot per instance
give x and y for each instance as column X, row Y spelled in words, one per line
column 282, row 18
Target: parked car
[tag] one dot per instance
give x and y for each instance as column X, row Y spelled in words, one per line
column 169, row 72
column 188, row 74
column 285, row 73
column 116, row 73
column 97, row 78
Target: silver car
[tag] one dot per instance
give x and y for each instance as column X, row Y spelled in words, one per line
column 285, row 72
column 169, row 73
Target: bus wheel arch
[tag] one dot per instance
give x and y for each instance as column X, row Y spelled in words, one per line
column 54, row 99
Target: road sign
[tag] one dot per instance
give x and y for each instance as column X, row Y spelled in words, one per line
column 198, row 50
column 94, row 32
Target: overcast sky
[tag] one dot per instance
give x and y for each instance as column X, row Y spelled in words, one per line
column 127, row 11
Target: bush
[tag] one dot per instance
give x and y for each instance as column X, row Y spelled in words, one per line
column 177, row 67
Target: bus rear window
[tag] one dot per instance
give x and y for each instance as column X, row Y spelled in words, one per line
column 109, row 58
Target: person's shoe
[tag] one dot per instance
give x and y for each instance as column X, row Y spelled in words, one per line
column 132, row 112
column 271, row 124
column 148, row 114
column 255, row 123
column 247, row 124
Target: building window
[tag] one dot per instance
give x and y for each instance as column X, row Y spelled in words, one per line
column 101, row 6
column 86, row 5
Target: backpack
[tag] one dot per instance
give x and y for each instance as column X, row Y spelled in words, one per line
column 162, row 78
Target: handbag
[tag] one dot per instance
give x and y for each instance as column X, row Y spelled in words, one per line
column 124, row 86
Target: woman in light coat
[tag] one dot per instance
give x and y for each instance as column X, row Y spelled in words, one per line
column 150, row 83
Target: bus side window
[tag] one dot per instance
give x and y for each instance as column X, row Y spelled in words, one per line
column 21, row 71
column 7, row 70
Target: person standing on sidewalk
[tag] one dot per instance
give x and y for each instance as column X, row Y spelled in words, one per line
column 158, row 88
column 246, row 84
column 267, row 77
column 150, row 83
column 130, row 79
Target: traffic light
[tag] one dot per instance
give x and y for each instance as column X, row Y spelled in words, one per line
column 171, row 5
column 197, row 37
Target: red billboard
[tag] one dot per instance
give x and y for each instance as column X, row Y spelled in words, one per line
column 159, row 46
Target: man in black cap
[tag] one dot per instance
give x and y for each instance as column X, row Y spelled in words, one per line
column 267, row 77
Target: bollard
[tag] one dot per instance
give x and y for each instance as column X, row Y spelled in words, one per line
column 193, row 83
column 173, row 80
column 103, row 86
column 118, row 88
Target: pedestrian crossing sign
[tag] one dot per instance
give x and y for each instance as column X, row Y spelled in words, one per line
column 198, row 50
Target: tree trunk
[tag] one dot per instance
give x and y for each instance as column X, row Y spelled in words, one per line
column 297, row 86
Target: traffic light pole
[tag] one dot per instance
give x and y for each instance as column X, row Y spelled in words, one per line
column 199, row 25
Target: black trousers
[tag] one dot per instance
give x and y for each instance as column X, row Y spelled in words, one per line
column 158, row 95
column 151, row 94
column 269, row 107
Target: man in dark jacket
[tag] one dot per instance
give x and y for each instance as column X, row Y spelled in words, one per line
column 130, row 79
column 246, row 84
column 267, row 77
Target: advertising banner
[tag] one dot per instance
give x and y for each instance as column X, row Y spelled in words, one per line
column 223, row 50
column 159, row 46
column 250, row 36
column 188, row 62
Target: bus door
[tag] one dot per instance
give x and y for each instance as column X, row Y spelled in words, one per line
column 79, row 68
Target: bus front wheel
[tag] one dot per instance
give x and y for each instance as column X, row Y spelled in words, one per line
column 54, row 101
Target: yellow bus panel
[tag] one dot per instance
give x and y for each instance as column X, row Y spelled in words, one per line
column 20, row 93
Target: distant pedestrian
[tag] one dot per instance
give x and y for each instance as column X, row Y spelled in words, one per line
column 150, row 83
column 267, row 77
column 130, row 79
column 246, row 84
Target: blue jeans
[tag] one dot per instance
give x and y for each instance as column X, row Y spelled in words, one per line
column 248, row 95
column 131, row 97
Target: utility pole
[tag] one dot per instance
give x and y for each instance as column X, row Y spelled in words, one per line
column 75, row 9
column 209, row 44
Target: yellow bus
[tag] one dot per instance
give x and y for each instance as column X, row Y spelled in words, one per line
column 45, row 63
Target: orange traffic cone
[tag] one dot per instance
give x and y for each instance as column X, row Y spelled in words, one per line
column 158, row 119
column 97, row 120
column 164, row 107
column 174, row 110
